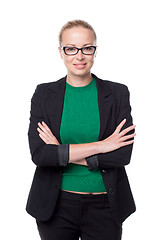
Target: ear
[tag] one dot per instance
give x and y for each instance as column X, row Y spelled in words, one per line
column 60, row 52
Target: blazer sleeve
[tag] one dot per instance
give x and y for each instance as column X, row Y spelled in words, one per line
column 121, row 156
column 43, row 154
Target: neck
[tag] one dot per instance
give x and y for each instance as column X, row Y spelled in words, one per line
column 79, row 81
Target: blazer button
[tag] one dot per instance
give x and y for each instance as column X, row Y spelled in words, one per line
column 111, row 191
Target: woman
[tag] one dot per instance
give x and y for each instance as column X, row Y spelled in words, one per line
column 81, row 137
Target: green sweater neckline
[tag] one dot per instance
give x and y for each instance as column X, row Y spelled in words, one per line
column 80, row 88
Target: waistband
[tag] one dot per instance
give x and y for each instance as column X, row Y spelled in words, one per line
column 78, row 196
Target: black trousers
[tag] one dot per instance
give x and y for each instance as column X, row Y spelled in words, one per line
column 81, row 216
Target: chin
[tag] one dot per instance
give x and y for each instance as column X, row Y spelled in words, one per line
column 82, row 74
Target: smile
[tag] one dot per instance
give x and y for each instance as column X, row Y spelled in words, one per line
column 80, row 66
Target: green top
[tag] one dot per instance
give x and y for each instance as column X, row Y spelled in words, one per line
column 81, row 124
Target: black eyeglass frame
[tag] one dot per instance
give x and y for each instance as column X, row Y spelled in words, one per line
column 64, row 49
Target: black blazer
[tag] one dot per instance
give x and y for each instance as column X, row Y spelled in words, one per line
column 47, row 105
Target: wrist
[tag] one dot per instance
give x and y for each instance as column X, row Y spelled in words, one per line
column 98, row 146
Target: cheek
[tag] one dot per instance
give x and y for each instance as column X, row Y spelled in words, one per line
column 67, row 60
column 91, row 60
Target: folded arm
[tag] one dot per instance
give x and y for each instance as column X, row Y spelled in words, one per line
column 53, row 155
column 121, row 156
column 78, row 152
column 44, row 146
column 113, row 151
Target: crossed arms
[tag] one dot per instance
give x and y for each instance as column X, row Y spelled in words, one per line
column 113, row 151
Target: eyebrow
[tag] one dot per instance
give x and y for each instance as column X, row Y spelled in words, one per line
column 70, row 44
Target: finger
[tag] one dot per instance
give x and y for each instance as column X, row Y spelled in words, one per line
column 45, row 130
column 127, row 137
column 119, row 127
column 43, row 138
column 44, row 134
column 126, row 130
column 41, row 127
column 127, row 143
column 47, row 138
column 46, row 127
column 39, row 130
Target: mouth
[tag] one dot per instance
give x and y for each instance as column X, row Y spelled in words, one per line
column 80, row 66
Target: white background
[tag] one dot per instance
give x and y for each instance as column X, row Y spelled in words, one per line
column 128, row 52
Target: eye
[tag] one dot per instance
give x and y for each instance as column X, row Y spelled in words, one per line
column 88, row 48
column 70, row 49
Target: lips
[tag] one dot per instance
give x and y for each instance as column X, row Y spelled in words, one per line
column 80, row 65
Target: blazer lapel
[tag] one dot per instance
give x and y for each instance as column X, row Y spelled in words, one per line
column 55, row 100
column 54, row 105
column 104, row 102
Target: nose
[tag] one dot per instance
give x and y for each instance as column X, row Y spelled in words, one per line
column 79, row 55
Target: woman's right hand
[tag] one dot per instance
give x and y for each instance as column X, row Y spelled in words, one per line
column 118, row 139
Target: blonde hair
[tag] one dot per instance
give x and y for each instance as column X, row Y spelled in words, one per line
column 75, row 23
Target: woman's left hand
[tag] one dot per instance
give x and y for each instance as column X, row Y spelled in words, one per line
column 46, row 135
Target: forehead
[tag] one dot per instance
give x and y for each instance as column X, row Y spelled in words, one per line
column 78, row 36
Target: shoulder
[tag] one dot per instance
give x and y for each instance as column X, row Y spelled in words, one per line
column 54, row 84
column 44, row 87
column 115, row 88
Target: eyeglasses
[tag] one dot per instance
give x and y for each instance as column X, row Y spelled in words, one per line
column 89, row 50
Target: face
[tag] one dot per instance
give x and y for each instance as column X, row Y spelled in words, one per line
column 78, row 65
